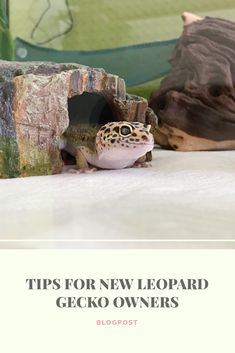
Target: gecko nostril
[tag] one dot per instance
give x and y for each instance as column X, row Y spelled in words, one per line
column 144, row 137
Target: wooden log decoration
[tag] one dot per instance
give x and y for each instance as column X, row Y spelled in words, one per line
column 196, row 101
column 34, row 101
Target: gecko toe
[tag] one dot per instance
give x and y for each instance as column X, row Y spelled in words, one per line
column 73, row 171
column 142, row 165
column 87, row 170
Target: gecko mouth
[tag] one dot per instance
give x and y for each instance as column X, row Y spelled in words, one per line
column 136, row 143
column 111, row 142
column 131, row 142
column 139, row 143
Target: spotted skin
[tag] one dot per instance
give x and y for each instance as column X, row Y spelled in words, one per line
column 118, row 145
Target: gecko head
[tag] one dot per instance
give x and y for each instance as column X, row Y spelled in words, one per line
column 132, row 137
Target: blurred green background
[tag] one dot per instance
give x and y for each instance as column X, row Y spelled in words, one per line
column 99, row 24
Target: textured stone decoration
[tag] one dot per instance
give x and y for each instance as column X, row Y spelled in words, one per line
column 34, row 111
column 196, row 101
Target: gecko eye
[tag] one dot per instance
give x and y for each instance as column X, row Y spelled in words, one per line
column 125, row 130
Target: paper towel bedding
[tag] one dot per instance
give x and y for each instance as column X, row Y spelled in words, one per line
column 185, row 195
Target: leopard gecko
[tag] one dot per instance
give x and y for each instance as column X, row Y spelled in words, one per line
column 117, row 145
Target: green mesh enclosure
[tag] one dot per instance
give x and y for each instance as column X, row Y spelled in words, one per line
column 131, row 38
column 136, row 64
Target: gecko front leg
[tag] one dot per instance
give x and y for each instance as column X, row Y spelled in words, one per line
column 142, row 162
column 81, row 160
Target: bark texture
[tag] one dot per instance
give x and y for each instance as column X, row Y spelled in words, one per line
column 196, row 101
